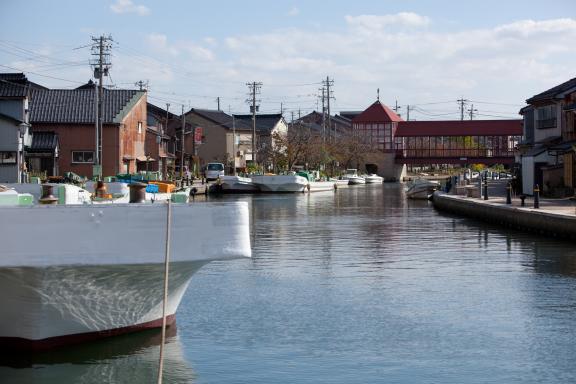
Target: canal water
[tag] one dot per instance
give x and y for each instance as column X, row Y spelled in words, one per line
column 355, row 286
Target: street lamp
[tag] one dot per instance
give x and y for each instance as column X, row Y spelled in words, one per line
column 22, row 130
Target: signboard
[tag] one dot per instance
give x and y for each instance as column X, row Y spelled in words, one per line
column 198, row 135
column 96, row 170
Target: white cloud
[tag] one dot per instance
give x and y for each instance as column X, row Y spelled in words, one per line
column 372, row 23
column 294, row 12
column 159, row 43
column 406, row 58
column 127, row 6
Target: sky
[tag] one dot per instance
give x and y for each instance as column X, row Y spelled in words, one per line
column 423, row 53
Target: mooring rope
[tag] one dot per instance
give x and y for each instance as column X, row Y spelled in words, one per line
column 165, row 299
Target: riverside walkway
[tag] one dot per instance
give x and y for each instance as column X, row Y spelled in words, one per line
column 554, row 217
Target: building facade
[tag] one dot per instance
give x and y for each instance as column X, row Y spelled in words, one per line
column 376, row 127
column 549, row 136
column 15, row 136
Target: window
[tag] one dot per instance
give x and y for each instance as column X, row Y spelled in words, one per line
column 82, row 156
column 139, row 127
column 7, row 157
column 546, row 117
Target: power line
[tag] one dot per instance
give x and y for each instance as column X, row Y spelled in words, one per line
column 38, row 74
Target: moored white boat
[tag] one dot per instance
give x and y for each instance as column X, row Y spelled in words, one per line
column 422, row 189
column 280, row 183
column 352, row 176
column 320, row 186
column 237, row 184
column 373, row 179
column 71, row 273
column 340, row 183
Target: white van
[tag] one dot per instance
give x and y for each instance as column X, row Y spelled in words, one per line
column 214, row 171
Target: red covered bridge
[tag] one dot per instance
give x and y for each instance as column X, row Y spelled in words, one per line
column 457, row 141
column 437, row 142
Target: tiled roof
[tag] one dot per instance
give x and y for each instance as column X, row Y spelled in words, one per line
column 377, row 113
column 264, row 122
column 553, row 92
column 76, row 106
column 459, row 128
column 16, row 85
column 349, row 114
column 43, row 141
column 161, row 112
column 13, row 85
column 220, row 118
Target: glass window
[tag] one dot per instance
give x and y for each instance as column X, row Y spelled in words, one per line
column 215, row 167
column 7, row 157
column 83, row 156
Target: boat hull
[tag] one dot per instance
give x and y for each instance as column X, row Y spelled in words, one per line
column 356, row 181
column 48, row 307
column 280, row 183
column 422, row 189
column 237, row 184
column 320, row 186
column 373, row 179
column 97, row 270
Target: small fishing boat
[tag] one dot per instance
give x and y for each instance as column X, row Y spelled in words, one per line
column 352, row 176
column 340, row 183
column 315, row 184
column 373, row 179
column 280, row 183
column 422, row 189
column 73, row 272
column 237, row 184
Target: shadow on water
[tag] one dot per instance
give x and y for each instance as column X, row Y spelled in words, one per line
column 130, row 358
column 544, row 254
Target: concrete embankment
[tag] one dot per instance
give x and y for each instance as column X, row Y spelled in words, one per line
column 552, row 219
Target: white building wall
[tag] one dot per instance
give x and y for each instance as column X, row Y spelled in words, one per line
column 542, row 134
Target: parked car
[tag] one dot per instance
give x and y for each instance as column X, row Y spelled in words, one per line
column 214, row 171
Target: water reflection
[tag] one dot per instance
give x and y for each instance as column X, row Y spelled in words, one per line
column 131, row 358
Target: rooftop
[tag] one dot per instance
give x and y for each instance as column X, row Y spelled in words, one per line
column 377, row 113
column 460, row 128
column 555, row 92
column 77, row 106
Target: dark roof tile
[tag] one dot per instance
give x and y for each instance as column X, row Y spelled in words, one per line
column 77, row 106
column 43, row 141
column 553, row 92
column 264, row 122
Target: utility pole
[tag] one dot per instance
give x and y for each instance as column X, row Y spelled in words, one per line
column 462, row 102
column 327, row 84
column 234, row 144
column 254, row 90
column 101, row 47
column 143, row 85
column 472, row 111
column 397, row 107
column 323, row 116
column 182, row 146
column 408, row 112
